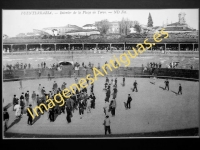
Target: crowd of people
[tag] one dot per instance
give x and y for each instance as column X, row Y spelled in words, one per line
column 42, row 65
column 82, row 101
column 154, row 65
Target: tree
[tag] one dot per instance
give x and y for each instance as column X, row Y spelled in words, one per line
column 125, row 26
column 102, row 26
column 137, row 26
column 150, row 21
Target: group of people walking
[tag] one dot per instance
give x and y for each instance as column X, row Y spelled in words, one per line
column 81, row 101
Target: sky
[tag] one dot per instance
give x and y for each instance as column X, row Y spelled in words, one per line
column 23, row 21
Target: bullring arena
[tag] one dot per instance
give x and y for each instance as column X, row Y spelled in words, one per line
column 154, row 111
column 152, row 94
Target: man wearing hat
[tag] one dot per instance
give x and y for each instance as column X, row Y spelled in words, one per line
column 180, row 89
column 15, row 101
column 30, row 119
column 108, row 93
column 21, row 103
column 107, row 125
column 129, row 102
column 22, row 96
column 123, row 80
column 27, row 98
column 50, row 94
column 167, row 84
column 135, row 86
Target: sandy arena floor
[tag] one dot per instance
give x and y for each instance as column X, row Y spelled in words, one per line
column 152, row 108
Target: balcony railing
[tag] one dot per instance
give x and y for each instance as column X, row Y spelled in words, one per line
column 92, row 52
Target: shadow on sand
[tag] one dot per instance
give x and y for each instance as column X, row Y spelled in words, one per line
column 123, row 84
column 162, row 87
column 14, row 122
column 174, row 92
column 36, row 119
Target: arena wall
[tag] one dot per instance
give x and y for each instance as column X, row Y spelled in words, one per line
column 11, row 75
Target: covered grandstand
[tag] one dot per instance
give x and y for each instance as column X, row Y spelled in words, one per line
column 175, row 42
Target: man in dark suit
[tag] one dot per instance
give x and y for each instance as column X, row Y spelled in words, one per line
column 135, row 86
column 108, row 93
column 115, row 81
column 123, row 80
column 180, row 89
column 22, row 104
column 129, row 101
column 30, row 119
column 27, row 98
column 81, row 108
column 15, row 101
column 51, row 114
column 167, row 84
